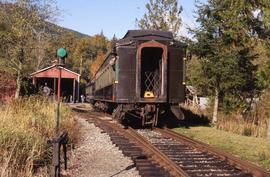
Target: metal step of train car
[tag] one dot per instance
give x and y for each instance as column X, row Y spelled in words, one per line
column 142, row 76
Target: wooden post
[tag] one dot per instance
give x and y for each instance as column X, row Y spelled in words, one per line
column 58, row 101
column 61, row 53
column 74, row 88
column 54, row 88
column 57, row 142
column 56, row 159
column 56, row 146
column 59, row 84
column 78, row 91
column 34, row 82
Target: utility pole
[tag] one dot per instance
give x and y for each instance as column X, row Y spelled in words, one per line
column 62, row 54
column 58, row 139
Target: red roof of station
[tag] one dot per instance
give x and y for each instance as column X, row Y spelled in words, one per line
column 53, row 72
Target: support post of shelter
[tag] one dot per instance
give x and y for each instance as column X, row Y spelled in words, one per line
column 74, row 87
column 78, row 91
column 54, row 88
column 34, row 82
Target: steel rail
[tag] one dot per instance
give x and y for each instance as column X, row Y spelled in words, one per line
column 241, row 164
column 160, row 157
column 149, row 149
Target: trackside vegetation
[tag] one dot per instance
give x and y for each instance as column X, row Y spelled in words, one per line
column 255, row 150
column 26, row 124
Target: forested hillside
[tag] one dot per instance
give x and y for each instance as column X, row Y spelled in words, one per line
column 30, row 39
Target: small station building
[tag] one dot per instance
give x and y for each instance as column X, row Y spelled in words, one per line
column 70, row 80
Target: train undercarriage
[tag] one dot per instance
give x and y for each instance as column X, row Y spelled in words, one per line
column 147, row 115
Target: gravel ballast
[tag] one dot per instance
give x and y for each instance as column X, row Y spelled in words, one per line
column 96, row 156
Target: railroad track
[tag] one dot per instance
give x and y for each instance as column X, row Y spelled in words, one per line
column 161, row 152
column 243, row 168
column 195, row 162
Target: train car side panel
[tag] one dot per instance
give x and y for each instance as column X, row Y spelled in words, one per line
column 105, row 79
column 175, row 68
column 126, row 74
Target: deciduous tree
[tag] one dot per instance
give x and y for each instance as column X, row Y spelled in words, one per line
column 97, row 62
column 23, row 20
column 83, row 56
column 162, row 15
column 101, row 45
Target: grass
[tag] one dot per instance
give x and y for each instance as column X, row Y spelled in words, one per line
column 249, row 123
column 25, row 126
column 249, row 126
column 256, row 150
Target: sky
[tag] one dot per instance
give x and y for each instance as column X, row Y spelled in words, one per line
column 113, row 16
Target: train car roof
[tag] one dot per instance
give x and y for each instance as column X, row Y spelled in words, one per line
column 143, row 35
column 146, row 34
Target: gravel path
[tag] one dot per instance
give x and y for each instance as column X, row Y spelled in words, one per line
column 96, row 156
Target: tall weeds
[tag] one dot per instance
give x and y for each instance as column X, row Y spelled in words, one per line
column 25, row 126
column 255, row 123
column 235, row 123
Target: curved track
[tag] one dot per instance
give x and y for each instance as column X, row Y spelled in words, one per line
column 161, row 152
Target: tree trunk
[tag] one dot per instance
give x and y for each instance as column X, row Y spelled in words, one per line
column 215, row 112
column 81, row 63
column 268, row 130
column 18, row 81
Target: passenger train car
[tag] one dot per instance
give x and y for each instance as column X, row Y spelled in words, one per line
column 143, row 76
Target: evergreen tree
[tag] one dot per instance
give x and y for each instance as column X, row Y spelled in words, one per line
column 162, row 15
column 225, row 49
